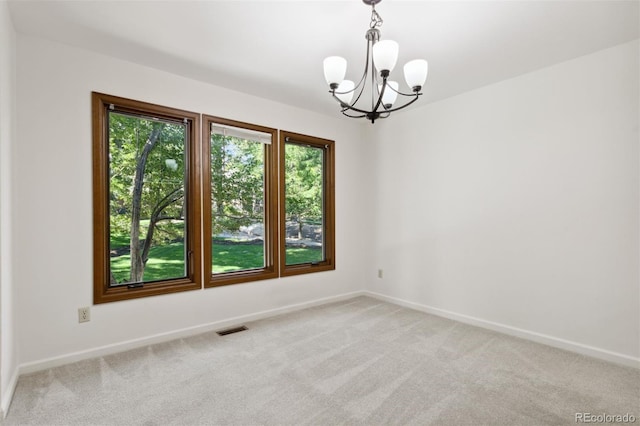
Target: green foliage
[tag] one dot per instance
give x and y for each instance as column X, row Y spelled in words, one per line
column 303, row 183
column 237, row 183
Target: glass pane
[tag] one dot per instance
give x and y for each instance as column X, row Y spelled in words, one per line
column 304, row 195
column 237, row 203
column 146, row 199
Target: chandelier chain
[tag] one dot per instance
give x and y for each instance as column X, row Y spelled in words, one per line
column 376, row 19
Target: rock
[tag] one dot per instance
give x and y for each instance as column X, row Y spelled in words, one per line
column 312, row 232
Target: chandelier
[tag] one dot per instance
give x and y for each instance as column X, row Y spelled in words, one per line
column 382, row 56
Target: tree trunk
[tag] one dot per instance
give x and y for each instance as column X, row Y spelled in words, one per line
column 137, row 263
column 173, row 196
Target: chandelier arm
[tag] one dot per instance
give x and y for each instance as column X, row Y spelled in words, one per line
column 347, row 107
column 408, row 94
column 353, row 116
column 403, row 94
column 350, row 107
column 342, row 93
column 405, row 105
column 377, row 81
column 361, row 86
column 373, row 88
column 380, row 95
column 364, row 75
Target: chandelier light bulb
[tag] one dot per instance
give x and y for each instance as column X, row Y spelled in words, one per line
column 385, row 55
column 389, row 96
column 346, row 86
column 335, row 68
column 415, row 73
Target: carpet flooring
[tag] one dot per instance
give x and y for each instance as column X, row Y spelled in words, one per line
column 356, row 362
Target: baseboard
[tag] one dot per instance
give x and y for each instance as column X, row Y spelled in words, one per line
column 186, row 332
column 44, row 364
column 556, row 342
column 7, row 395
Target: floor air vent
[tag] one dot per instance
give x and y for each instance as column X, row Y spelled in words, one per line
column 231, row 330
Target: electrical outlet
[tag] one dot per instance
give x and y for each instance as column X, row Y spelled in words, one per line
column 84, row 315
column 379, row 273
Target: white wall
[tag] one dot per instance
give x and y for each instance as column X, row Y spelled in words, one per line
column 8, row 344
column 517, row 204
column 53, row 214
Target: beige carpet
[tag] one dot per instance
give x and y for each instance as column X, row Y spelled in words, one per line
column 358, row 362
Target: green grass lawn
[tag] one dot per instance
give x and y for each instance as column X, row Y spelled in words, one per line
column 297, row 255
column 167, row 261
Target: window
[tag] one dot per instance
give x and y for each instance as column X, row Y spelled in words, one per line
column 170, row 209
column 240, row 208
column 306, row 204
column 145, row 199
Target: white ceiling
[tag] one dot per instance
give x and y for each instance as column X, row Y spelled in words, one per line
column 274, row 49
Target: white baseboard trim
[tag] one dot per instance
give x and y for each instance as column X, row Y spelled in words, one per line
column 7, row 395
column 69, row 358
column 556, row 342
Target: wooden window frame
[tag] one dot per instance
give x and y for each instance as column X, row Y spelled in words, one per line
column 271, row 269
column 102, row 291
column 329, row 205
column 197, row 198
